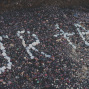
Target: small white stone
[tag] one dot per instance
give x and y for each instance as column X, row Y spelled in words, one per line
column 28, row 32
column 21, row 37
column 0, row 38
column 32, row 57
column 34, row 35
column 4, row 54
column 22, row 31
column 38, row 41
column 23, row 42
column 30, row 45
column 34, row 43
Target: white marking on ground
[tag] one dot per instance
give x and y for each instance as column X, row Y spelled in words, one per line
column 8, row 66
column 66, row 35
column 32, row 45
column 82, row 33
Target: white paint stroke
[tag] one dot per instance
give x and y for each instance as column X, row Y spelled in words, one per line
column 32, row 45
column 82, row 33
column 8, row 66
column 80, row 26
column 66, row 35
column 57, row 26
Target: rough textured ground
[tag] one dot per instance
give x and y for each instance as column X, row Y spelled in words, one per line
column 18, row 4
column 67, row 68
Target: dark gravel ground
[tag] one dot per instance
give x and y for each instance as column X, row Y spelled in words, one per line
column 67, row 68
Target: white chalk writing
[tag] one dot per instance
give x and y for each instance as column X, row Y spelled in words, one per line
column 8, row 66
column 31, row 46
